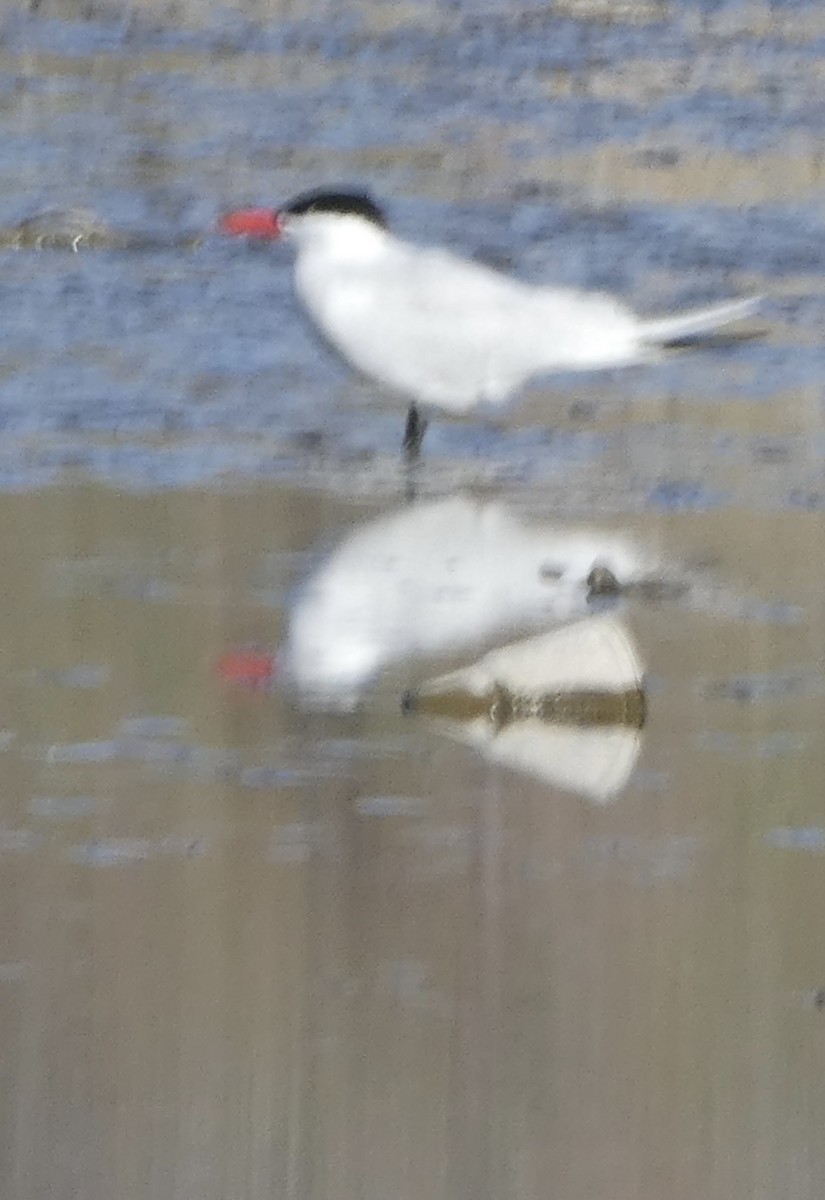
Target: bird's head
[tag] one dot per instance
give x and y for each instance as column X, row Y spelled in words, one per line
column 311, row 213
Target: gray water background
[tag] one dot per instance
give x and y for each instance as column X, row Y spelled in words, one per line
column 668, row 153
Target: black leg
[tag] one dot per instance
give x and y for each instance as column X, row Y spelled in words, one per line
column 414, row 432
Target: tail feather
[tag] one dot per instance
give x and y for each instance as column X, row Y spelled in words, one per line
column 697, row 321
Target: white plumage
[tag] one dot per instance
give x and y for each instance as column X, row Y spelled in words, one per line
column 442, row 330
column 451, row 333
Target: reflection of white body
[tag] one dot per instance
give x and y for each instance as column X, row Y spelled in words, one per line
column 594, row 655
column 434, row 579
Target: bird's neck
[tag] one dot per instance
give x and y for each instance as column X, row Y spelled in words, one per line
column 342, row 241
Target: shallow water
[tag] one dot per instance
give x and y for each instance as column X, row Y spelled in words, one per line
column 268, row 926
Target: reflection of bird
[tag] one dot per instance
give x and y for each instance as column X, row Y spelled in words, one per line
column 442, row 330
column 566, row 707
column 438, row 578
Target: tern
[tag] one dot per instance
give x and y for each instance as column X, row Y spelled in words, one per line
column 441, row 330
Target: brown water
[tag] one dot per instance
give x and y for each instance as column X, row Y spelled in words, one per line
column 287, row 940
column 254, row 952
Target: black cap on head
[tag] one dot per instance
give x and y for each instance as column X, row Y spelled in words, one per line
column 357, row 204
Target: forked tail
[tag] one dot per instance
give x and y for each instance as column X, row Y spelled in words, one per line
column 697, row 321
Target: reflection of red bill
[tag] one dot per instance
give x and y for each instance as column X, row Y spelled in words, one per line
column 247, row 668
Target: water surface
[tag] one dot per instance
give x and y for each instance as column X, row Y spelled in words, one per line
column 263, row 932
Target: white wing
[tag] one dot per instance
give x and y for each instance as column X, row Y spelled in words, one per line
column 451, row 332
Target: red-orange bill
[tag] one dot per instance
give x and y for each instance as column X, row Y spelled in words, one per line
column 251, row 222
